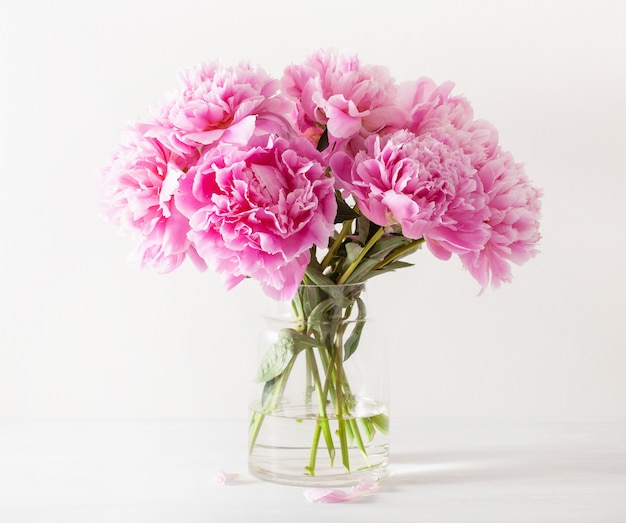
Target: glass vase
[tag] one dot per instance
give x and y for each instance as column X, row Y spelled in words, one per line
column 319, row 407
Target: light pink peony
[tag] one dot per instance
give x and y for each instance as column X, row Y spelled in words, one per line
column 513, row 203
column 255, row 211
column 334, row 91
column 139, row 188
column 424, row 183
column 434, row 108
column 515, row 208
column 218, row 104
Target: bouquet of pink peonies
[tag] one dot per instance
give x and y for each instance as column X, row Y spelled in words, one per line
column 327, row 177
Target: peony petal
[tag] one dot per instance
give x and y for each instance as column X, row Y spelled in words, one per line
column 342, row 125
column 341, row 165
column 203, row 137
column 382, row 117
column 240, row 132
column 327, row 495
column 223, row 478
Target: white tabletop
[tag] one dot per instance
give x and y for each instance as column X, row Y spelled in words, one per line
column 442, row 470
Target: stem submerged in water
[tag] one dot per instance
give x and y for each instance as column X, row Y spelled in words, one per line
column 322, row 420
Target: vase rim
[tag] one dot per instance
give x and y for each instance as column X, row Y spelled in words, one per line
column 333, row 285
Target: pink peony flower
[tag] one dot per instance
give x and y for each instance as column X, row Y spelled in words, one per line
column 255, row 211
column 432, row 108
column 515, row 209
column 333, row 91
column 513, row 204
column 140, row 184
column 217, row 104
column 424, row 183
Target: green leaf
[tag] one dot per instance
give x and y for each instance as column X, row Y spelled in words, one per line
column 268, row 391
column 309, row 297
column 349, row 434
column 323, row 141
column 361, row 273
column 316, row 276
column 352, row 252
column 363, row 229
column 330, row 287
column 386, row 245
column 320, row 313
column 397, row 265
column 344, row 211
column 353, row 340
column 359, row 440
column 381, row 422
column 282, row 351
column 368, row 427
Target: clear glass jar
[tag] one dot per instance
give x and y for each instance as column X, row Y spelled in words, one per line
column 319, row 413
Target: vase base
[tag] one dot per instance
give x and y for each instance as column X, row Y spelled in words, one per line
column 347, row 479
column 294, row 446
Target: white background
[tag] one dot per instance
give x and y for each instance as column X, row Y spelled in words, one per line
column 85, row 335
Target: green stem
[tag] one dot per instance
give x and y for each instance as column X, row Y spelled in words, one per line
column 314, row 446
column 276, row 395
column 329, row 388
column 372, row 241
column 340, row 403
column 322, row 422
column 336, row 384
column 345, row 230
column 338, row 360
column 256, row 420
column 343, row 440
column 328, row 381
